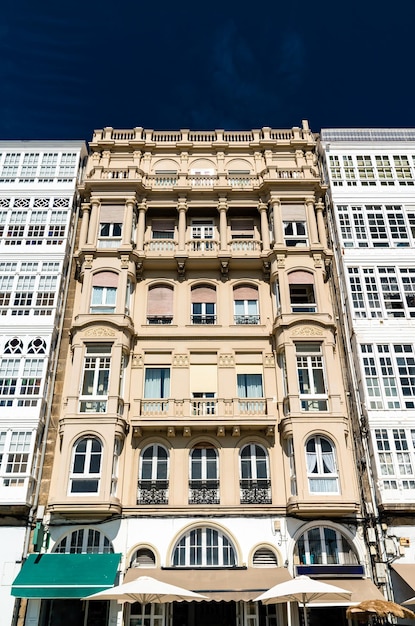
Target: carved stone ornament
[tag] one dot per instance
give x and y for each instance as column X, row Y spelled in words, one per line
column 181, row 360
column 317, row 260
column 226, row 360
column 307, row 331
column 100, row 332
column 281, row 260
column 137, row 360
column 269, row 360
column 88, row 261
column 125, row 261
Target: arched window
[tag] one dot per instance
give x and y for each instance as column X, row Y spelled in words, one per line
column 86, row 466
column 321, row 466
column 143, row 557
column 204, row 547
column 84, row 540
column 264, row 557
column 104, row 292
column 203, row 305
column 204, row 484
column 245, row 299
column 302, row 296
column 14, row 346
column 153, row 481
column 37, row 346
column 255, row 486
column 160, row 305
column 324, row 546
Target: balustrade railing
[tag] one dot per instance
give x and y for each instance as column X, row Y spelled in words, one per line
column 246, row 319
column 215, row 408
column 203, row 492
column 255, row 491
column 152, row 492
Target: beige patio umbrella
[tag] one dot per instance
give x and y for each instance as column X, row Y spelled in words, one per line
column 380, row 608
column 304, row 590
column 146, row 590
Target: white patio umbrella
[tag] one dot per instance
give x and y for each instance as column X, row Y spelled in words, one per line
column 303, row 589
column 146, row 590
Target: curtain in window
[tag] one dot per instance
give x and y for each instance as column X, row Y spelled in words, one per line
column 249, row 386
column 157, row 382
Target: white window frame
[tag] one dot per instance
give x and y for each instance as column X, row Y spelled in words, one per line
column 310, row 360
column 94, row 397
column 298, row 237
column 395, row 459
column 87, row 475
column 103, row 299
column 204, row 547
column 320, row 475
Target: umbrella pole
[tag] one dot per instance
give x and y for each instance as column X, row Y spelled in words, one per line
column 305, row 614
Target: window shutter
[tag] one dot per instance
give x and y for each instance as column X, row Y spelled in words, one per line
column 105, row 279
column 203, row 294
column 160, row 300
column 111, row 214
column 293, row 213
column 240, row 227
column 300, row 278
column 264, row 557
column 245, row 292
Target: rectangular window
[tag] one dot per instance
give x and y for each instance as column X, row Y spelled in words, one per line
column 95, row 381
column 377, row 226
column 365, row 170
column 10, row 166
column 29, row 166
column 382, row 292
column 389, row 375
column 32, row 377
column 396, row 459
column 349, row 171
column 162, row 229
column 103, row 299
column 335, row 171
column 110, row 235
column 311, row 378
column 48, row 166
column 157, row 382
column 384, row 170
column 403, row 170
column 15, row 457
column 295, row 234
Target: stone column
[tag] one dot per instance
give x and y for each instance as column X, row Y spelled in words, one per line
column 277, row 222
column 141, row 225
column 128, row 222
column 223, row 224
column 311, row 219
column 93, row 222
column 83, row 235
column 182, row 209
column 262, row 208
column 320, row 224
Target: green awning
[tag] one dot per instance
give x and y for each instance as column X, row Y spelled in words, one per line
column 65, row 575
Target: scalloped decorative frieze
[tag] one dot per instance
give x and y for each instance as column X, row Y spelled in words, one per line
column 100, row 331
column 180, row 360
column 307, row 331
column 226, row 360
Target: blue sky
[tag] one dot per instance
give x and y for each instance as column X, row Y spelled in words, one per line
column 69, row 67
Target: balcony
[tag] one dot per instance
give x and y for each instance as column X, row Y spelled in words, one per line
column 246, row 319
column 203, row 319
column 255, row 412
column 204, row 492
column 159, row 319
column 152, row 492
column 255, row 491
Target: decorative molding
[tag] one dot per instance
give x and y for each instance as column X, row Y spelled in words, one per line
column 317, row 260
column 220, row 432
column 269, row 360
column 171, row 431
column 137, row 360
column 281, row 260
column 181, row 360
column 100, row 332
column 187, row 431
column 307, row 331
column 88, row 259
column 125, row 261
column 226, row 360
column 236, row 431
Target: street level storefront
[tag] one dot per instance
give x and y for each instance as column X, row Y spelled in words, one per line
column 55, row 584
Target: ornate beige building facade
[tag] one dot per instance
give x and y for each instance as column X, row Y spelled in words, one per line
column 204, row 437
